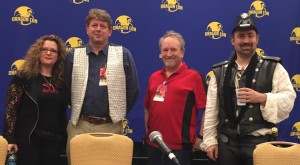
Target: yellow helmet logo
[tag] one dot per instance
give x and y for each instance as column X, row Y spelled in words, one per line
column 73, row 42
column 215, row 30
column 296, row 130
column 260, row 52
column 296, row 82
column 208, row 76
column 125, row 127
column 124, row 20
column 258, row 8
column 258, row 5
column 15, row 66
column 24, row 16
column 124, row 24
column 172, row 2
column 295, row 36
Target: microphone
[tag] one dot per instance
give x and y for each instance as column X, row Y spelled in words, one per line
column 156, row 137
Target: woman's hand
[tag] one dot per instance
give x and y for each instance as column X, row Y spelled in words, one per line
column 10, row 148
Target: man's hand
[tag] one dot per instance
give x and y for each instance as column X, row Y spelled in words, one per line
column 10, row 147
column 248, row 95
column 196, row 146
column 212, row 152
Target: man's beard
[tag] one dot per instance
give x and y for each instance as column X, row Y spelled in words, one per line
column 170, row 63
column 246, row 53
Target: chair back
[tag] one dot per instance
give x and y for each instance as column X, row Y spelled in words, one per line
column 277, row 152
column 3, row 150
column 101, row 149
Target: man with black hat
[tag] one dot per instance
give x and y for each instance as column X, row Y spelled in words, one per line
column 236, row 123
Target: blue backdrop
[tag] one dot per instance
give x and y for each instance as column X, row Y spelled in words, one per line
column 138, row 24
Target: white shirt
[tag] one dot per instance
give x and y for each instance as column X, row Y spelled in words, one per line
column 279, row 104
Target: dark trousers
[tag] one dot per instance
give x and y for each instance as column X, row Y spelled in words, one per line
column 156, row 157
column 40, row 152
column 238, row 151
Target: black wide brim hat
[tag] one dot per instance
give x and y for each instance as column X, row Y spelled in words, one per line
column 244, row 22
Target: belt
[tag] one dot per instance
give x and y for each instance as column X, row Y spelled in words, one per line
column 96, row 120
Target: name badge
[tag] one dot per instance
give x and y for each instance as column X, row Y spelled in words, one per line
column 103, row 80
column 160, row 93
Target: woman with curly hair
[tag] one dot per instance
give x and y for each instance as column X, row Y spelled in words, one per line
column 35, row 119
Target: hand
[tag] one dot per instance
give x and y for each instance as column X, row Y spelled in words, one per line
column 10, row 147
column 248, row 95
column 212, row 152
column 196, row 146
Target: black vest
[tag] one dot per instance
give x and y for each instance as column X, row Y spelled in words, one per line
column 251, row 119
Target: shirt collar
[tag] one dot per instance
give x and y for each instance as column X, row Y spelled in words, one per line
column 181, row 69
column 89, row 49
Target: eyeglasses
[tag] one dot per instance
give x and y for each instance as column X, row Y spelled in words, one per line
column 45, row 50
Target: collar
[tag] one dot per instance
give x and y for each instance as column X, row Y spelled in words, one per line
column 239, row 67
column 89, row 49
column 181, row 69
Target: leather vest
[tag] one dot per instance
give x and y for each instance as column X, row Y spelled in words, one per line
column 252, row 119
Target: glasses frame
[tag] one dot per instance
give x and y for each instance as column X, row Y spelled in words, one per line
column 46, row 50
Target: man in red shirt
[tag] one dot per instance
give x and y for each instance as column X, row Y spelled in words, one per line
column 173, row 98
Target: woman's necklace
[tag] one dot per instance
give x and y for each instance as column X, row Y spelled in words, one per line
column 48, row 82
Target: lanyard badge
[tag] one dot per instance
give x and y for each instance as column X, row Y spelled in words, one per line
column 102, row 74
column 160, row 92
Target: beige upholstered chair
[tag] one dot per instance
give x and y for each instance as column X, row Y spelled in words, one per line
column 3, row 150
column 277, row 153
column 101, row 149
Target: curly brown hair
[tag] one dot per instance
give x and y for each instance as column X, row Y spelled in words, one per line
column 32, row 65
